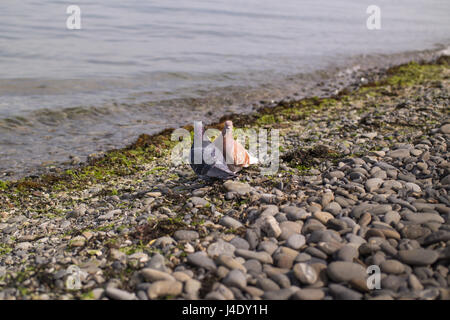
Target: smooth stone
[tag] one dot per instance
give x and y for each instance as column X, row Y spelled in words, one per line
column 423, row 217
column 238, row 187
column 347, row 253
column 418, row 257
column 155, row 275
column 118, row 294
column 271, row 227
column 343, row 271
column 281, row 294
column 340, row 292
column 295, row 213
column 200, row 259
column 230, row 262
column 230, row 222
column 398, row 154
column 305, row 273
column 323, row 216
column 392, row 267
column 235, row 278
column 309, row 294
column 296, row 241
column 289, row 228
column 185, row 235
column 164, row 288
column 220, row 247
column 373, row 184
column 261, row 256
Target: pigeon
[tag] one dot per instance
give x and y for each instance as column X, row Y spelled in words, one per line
column 206, row 159
column 234, row 153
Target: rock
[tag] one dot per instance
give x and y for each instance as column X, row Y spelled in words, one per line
column 27, row 245
column 198, row 202
column 237, row 187
column 418, row 257
column 220, row 247
column 392, row 267
column 414, row 283
column 347, row 253
column 281, row 294
column 295, row 213
column 155, row 275
column 423, row 217
column 398, row 154
column 296, row 241
column 305, row 273
column 235, row 278
column 229, row 222
column 117, row 294
column 78, row 241
column 188, row 235
column 343, row 271
column 157, row 262
column 323, row 216
column 445, row 129
column 373, row 184
column 261, row 256
column 192, row 287
column 271, row 227
column 392, row 217
column 289, row 228
column 435, row 237
column 340, row 292
column 308, row 294
column 200, row 259
column 230, row 263
column 284, row 257
column 164, row 288
column 412, row 187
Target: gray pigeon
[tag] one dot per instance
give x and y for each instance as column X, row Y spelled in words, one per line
column 207, row 160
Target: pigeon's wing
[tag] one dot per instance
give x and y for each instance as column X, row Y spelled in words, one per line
column 217, row 167
column 214, row 167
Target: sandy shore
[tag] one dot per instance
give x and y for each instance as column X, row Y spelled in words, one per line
column 363, row 181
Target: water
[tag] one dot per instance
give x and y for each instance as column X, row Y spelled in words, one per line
column 140, row 66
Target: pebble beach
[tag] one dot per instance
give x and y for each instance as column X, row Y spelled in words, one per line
column 364, row 180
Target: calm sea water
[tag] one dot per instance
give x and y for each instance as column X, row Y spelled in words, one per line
column 140, row 66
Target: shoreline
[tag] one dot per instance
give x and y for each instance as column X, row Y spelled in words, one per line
column 321, row 83
column 363, row 181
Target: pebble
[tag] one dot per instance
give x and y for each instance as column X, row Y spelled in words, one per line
column 220, row 247
column 235, row 278
column 200, row 259
column 418, row 257
column 344, row 271
column 296, row 241
column 392, row 267
column 305, row 273
column 271, row 227
column 308, row 294
column 340, row 292
column 117, row 294
column 230, row 222
column 238, row 187
column 230, row 262
column 261, row 256
column 164, row 288
column 188, row 235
